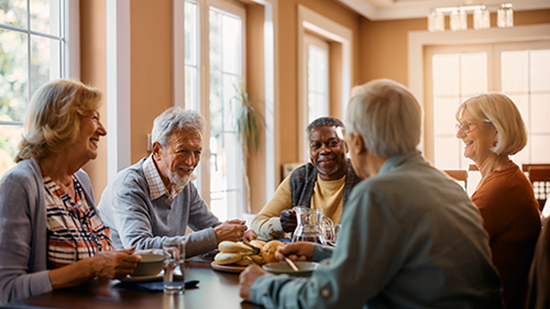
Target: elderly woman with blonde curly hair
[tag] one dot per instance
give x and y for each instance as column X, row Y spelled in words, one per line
column 51, row 235
column 491, row 127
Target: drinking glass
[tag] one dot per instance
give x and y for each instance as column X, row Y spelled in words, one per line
column 174, row 261
column 337, row 230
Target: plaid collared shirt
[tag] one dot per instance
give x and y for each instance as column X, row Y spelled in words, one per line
column 156, row 186
column 75, row 231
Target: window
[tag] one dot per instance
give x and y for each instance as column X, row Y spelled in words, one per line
column 456, row 77
column 317, row 77
column 33, row 50
column 192, row 60
column 223, row 39
column 324, row 71
column 525, row 79
column 519, row 70
column 226, row 71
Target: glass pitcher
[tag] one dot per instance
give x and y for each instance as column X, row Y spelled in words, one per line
column 312, row 226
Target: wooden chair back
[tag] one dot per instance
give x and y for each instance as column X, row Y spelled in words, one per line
column 525, row 167
column 540, row 178
column 459, row 175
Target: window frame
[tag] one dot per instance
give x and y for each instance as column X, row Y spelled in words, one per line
column 429, row 106
column 69, row 53
column 417, row 40
column 239, row 10
column 311, row 21
column 420, row 44
column 522, row 46
column 232, row 7
column 320, row 43
column 271, row 93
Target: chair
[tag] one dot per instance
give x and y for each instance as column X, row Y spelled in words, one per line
column 538, row 282
column 540, row 178
column 525, row 167
column 289, row 167
column 459, row 175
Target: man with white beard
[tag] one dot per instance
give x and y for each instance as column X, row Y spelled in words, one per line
column 153, row 200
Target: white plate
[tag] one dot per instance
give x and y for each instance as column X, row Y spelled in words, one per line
column 156, row 277
column 228, row 268
column 304, row 268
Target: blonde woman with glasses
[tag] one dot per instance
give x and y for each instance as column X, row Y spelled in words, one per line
column 491, row 128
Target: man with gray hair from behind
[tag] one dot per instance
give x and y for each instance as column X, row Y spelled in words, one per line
column 411, row 237
column 154, row 200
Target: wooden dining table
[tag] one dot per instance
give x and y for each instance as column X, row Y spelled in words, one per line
column 216, row 290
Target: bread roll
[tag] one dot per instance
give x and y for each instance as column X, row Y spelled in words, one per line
column 268, row 251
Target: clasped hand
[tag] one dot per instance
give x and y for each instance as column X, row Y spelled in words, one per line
column 288, row 220
column 234, row 230
column 115, row 264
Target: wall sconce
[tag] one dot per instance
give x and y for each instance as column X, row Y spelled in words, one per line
column 505, row 16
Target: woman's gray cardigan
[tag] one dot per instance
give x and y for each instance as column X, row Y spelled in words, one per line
column 23, row 232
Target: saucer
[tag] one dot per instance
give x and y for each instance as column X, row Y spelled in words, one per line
column 156, row 277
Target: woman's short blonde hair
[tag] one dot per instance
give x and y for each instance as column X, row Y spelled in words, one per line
column 53, row 117
column 503, row 113
column 386, row 115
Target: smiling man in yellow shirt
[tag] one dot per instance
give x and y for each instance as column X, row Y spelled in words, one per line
column 324, row 183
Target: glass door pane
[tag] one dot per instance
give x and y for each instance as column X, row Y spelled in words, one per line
column 317, row 82
column 226, row 161
column 30, row 56
column 525, row 78
column 317, row 53
column 192, row 60
column 456, row 77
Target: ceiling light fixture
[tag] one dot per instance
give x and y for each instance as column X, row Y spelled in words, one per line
column 505, row 16
column 458, row 20
column 436, row 21
column 482, row 18
column 458, row 17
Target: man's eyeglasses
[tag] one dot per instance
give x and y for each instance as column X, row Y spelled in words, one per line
column 465, row 126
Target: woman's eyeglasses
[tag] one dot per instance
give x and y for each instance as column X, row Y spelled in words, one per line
column 465, row 126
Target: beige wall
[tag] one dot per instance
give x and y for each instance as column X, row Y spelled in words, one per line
column 255, row 72
column 151, row 68
column 384, row 48
column 93, row 67
column 150, row 71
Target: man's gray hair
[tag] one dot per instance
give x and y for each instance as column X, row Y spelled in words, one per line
column 323, row 121
column 386, row 115
column 175, row 118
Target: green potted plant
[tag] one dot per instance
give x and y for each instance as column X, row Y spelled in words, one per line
column 249, row 119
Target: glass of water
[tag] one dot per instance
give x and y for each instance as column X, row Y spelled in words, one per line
column 332, row 242
column 174, row 262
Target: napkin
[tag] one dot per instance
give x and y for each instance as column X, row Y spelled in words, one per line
column 154, row 286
